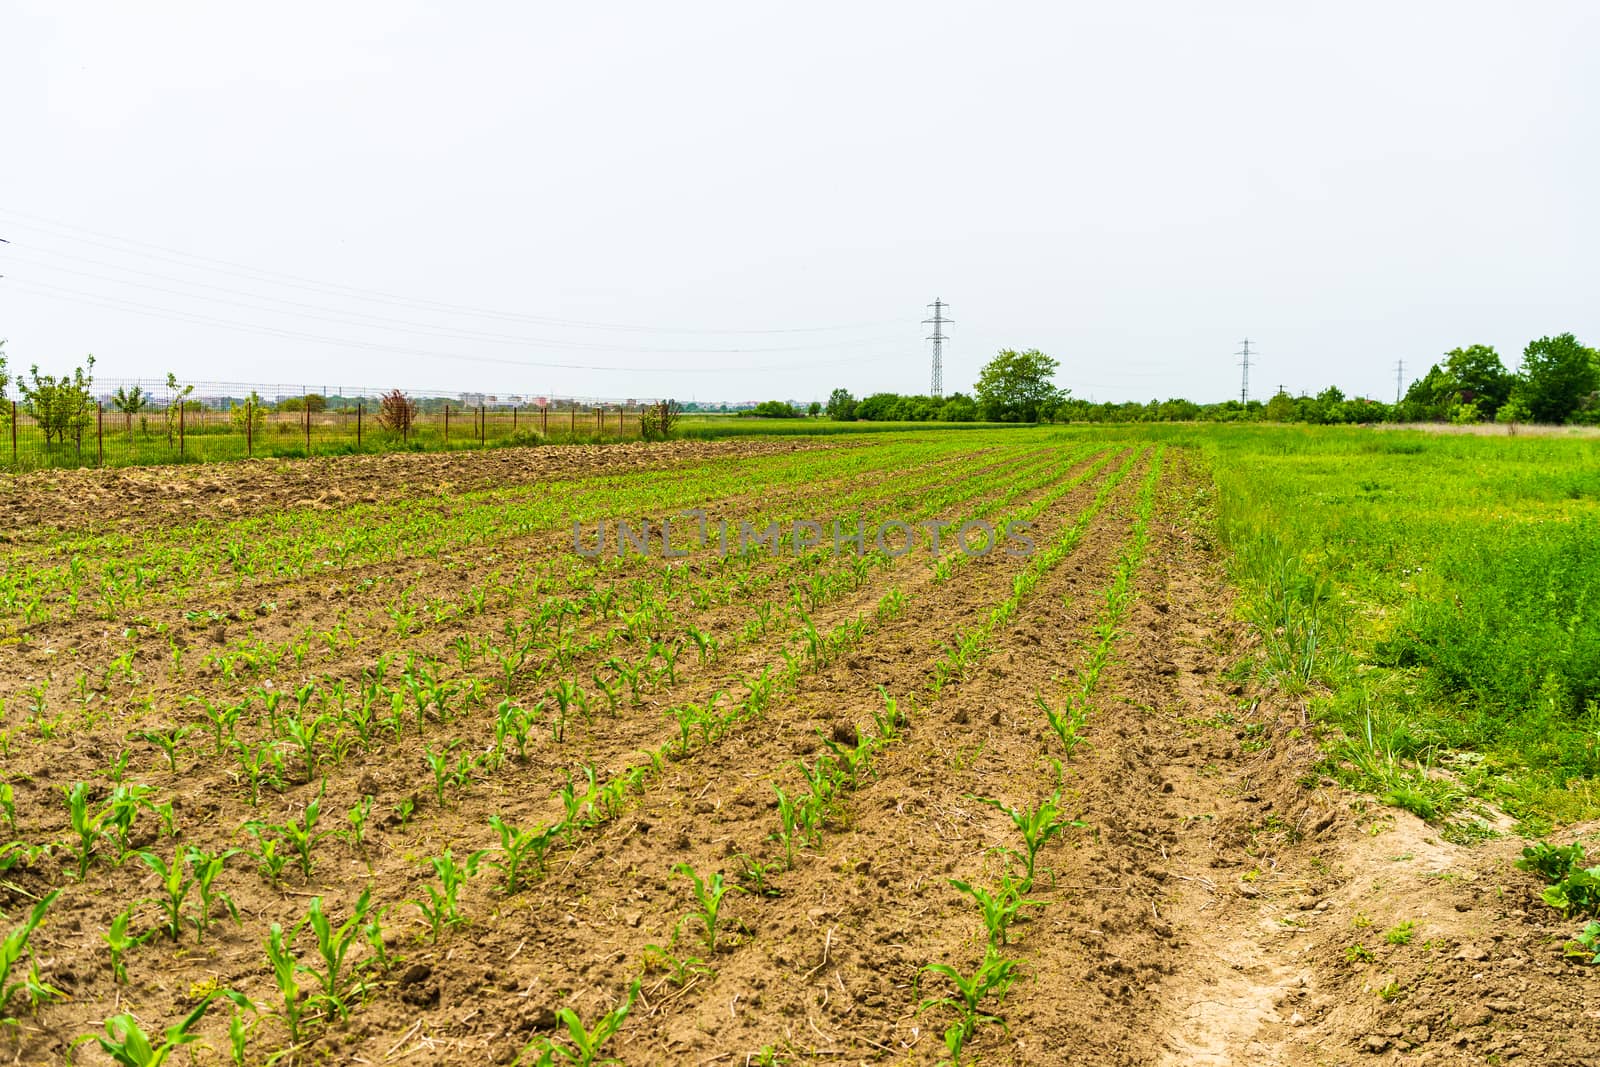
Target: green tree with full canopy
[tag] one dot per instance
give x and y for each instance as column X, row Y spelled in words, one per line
column 1558, row 375
column 1477, row 376
column 1019, row 387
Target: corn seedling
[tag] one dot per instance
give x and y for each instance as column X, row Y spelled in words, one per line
column 708, row 893
column 757, row 874
column 280, row 956
column 357, row 815
column 333, row 945
column 999, row 907
column 442, row 908
column 85, row 824
column 119, row 941
column 175, row 881
column 992, row 978
column 519, row 848
column 1037, row 826
column 679, row 969
column 13, row 945
column 258, row 766
column 206, row 866
column 584, row 1046
column 128, row 1045
column 1067, row 722
column 789, row 825
column 166, row 740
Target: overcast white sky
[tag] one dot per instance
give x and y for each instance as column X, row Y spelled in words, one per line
column 409, row 194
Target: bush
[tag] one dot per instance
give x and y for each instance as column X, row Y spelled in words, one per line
column 773, row 409
column 397, row 412
column 656, row 421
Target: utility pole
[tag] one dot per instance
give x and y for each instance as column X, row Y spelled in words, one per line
column 1244, row 383
column 1399, row 375
column 937, row 337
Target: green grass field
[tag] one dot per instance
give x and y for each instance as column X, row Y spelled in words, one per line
column 1437, row 598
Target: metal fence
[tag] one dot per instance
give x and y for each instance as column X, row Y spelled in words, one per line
column 227, row 421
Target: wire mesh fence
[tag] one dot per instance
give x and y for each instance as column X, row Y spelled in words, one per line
column 137, row 423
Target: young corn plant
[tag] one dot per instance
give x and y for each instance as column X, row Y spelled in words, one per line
column 1036, row 825
column 584, row 1046
column 128, row 1045
column 998, row 907
column 679, row 969
column 280, row 956
column 1067, row 722
column 166, row 740
column 520, row 848
column 12, row 946
column 708, row 893
column 261, row 765
column 119, row 941
column 789, row 825
column 206, row 867
column 358, row 814
column 336, row 989
column 87, row 825
column 175, row 881
column 992, row 978
column 443, row 908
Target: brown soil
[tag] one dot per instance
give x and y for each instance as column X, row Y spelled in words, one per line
column 1201, row 913
column 133, row 497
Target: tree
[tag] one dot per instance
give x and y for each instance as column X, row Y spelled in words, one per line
column 841, row 406
column 254, row 409
column 1477, row 376
column 814, row 409
column 177, row 395
column 958, row 407
column 316, row 403
column 1558, row 374
column 130, row 402
column 774, row 409
column 1280, row 408
column 879, row 407
column 1018, row 387
column 63, row 407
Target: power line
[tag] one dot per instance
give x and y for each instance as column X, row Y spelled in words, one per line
column 191, row 260
column 1244, row 383
column 117, row 304
column 339, row 317
column 937, row 337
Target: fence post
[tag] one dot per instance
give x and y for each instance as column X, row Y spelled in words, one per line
column 100, row 431
column 181, row 406
column 544, row 419
column 360, row 410
column 13, row 433
column 308, row 431
column 249, row 428
column 513, row 420
column 447, row 424
column 483, row 425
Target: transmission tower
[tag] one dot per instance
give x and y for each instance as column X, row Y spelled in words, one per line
column 1399, row 374
column 937, row 337
column 1244, row 383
